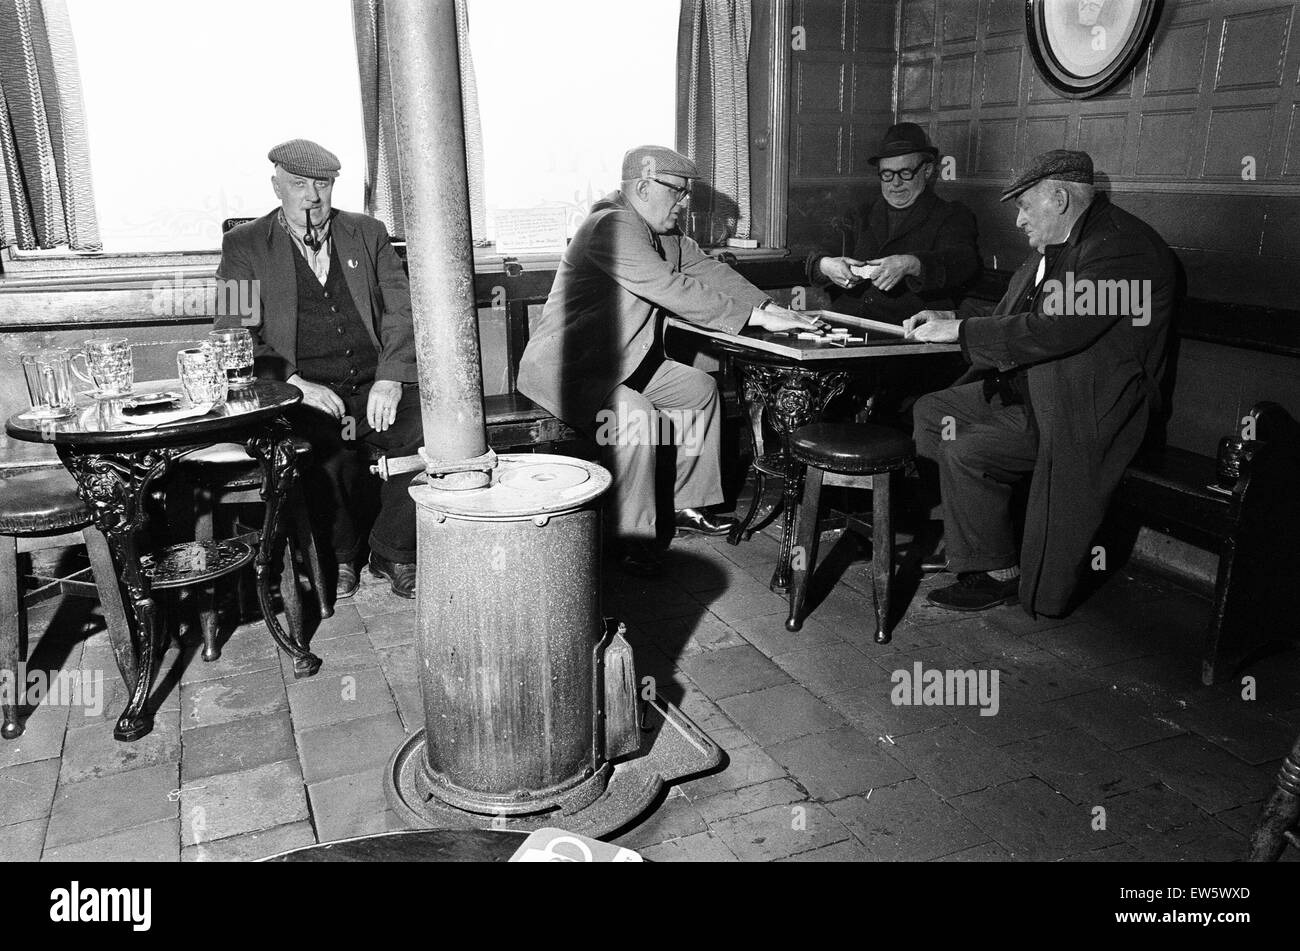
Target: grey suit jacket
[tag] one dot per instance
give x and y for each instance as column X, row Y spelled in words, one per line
column 260, row 250
column 616, row 282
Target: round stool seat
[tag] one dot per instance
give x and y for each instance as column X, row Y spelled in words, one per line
column 852, row 448
column 227, row 465
column 36, row 503
column 233, row 453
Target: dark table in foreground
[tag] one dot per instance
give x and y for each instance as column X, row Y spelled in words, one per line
column 437, row 845
column 114, row 463
column 791, row 381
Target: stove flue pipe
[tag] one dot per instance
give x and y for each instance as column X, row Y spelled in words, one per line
column 424, row 58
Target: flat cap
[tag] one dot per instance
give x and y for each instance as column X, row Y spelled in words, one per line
column 1061, row 165
column 305, row 158
column 904, row 139
column 651, row 161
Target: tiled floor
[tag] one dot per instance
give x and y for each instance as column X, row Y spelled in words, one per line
column 1104, row 745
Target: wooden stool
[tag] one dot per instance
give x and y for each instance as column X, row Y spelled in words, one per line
column 41, row 510
column 225, row 474
column 857, row 455
column 1280, row 824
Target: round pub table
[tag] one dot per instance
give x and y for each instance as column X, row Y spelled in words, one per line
column 115, row 457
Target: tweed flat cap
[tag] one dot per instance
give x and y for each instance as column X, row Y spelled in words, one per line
column 1061, row 165
column 305, row 158
column 651, row 161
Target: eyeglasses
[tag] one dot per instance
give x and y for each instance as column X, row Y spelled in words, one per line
column 679, row 191
column 906, row 174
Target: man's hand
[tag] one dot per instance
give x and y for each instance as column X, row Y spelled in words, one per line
column 839, row 270
column 932, row 326
column 319, row 397
column 381, row 408
column 893, row 268
column 778, row 319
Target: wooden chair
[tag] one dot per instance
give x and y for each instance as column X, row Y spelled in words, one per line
column 857, row 455
column 41, row 510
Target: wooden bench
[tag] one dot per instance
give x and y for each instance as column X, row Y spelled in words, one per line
column 1251, row 521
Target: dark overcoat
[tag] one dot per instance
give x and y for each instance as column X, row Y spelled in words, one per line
column 1094, row 382
column 942, row 234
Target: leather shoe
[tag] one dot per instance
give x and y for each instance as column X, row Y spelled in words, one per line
column 401, row 574
column 640, row 560
column 347, row 582
column 976, row 591
column 700, row 522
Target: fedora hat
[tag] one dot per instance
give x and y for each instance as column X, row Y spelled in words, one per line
column 904, row 139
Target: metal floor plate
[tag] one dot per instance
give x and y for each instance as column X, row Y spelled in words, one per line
column 677, row 748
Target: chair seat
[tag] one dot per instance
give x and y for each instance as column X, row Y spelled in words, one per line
column 852, row 448
column 36, row 503
column 233, row 453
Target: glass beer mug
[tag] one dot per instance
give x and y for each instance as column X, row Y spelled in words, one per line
column 109, row 367
column 202, row 374
column 236, row 348
column 49, row 383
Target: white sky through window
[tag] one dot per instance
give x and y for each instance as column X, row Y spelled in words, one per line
column 565, row 88
column 183, row 101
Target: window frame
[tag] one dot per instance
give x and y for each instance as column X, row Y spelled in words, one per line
column 769, row 65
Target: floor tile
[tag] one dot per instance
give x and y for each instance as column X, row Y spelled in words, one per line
column 350, row 746
column 906, row 822
column 348, row 806
column 1032, row 822
column 92, row 751
column 332, row 697
column 95, row 808
column 780, row 831
column 154, row 842
column 231, row 698
column 700, row 847
column 252, row 845
column 22, row 841
column 780, row 713
column 954, row 761
column 227, row 804
column 237, row 745
column 732, row 671
column 839, row 763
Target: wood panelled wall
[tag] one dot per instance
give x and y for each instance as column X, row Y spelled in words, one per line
column 841, row 102
column 1220, row 82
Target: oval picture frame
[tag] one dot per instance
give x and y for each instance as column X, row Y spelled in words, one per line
column 1073, row 46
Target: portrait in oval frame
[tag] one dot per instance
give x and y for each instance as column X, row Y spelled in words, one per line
column 1084, row 47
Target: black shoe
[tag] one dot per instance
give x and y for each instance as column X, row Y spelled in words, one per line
column 347, row 582
column 700, row 522
column 640, row 560
column 976, row 591
column 401, row 574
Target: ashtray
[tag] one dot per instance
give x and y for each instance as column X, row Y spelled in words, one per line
column 148, row 403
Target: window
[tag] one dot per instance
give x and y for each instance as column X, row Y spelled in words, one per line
column 184, row 100
column 564, row 90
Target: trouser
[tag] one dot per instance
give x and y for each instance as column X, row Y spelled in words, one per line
column 982, row 449
column 678, row 406
column 336, row 482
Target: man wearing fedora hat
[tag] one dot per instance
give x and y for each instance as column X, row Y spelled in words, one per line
column 335, row 322
column 1062, row 387
column 912, row 250
column 596, row 357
